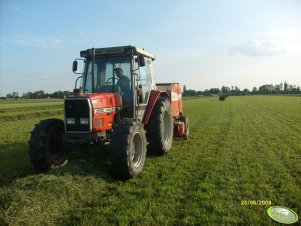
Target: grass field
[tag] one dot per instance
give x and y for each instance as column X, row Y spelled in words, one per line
column 243, row 155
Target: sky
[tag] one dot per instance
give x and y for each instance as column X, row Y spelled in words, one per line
column 200, row 43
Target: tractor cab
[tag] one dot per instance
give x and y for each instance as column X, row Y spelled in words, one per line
column 126, row 71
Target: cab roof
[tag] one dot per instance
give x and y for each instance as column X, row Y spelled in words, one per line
column 118, row 50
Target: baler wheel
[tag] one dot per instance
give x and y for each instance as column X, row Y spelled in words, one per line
column 186, row 122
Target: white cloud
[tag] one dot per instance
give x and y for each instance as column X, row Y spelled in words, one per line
column 270, row 43
column 290, row 37
column 258, row 48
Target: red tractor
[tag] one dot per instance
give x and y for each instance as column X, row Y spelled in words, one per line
column 118, row 103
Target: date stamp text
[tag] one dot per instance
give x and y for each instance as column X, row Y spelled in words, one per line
column 255, row 202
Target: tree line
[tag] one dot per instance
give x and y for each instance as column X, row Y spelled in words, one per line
column 282, row 88
column 267, row 89
column 37, row 95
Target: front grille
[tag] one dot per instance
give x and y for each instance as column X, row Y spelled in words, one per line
column 98, row 122
column 77, row 108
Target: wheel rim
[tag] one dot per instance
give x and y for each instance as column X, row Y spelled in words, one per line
column 166, row 127
column 137, row 149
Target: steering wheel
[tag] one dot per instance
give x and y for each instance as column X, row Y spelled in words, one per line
column 107, row 82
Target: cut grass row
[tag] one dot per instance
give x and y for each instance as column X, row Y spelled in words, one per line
column 30, row 115
column 244, row 148
column 29, row 108
column 28, row 102
column 17, row 110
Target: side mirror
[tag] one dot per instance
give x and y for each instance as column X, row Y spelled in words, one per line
column 74, row 66
column 141, row 61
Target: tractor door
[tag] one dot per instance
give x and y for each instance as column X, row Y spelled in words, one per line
column 144, row 87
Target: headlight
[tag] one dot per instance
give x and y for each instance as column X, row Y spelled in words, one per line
column 84, row 121
column 70, row 121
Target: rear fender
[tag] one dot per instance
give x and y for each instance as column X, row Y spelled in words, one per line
column 174, row 93
column 154, row 95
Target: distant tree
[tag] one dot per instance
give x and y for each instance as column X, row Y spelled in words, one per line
column 278, row 88
column 60, row 94
column 225, row 90
column 214, row 91
column 245, row 92
column 206, row 92
column 14, row 95
column 27, row 95
column 285, row 85
column 266, row 89
column 254, row 90
column 293, row 89
column 281, row 86
column 298, row 90
column 57, row 94
column 199, row 93
column 39, row 94
column 66, row 93
column 236, row 91
column 190, row 92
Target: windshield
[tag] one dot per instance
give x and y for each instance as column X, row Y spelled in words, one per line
column 111, row 74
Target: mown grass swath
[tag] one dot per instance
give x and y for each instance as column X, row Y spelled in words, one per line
column 17, row 110
column 244, row 148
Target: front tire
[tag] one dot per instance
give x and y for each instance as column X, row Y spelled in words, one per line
column 128, row 150
column 46, row 147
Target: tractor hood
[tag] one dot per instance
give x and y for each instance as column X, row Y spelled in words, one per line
column 100, row 100
column 91, row 113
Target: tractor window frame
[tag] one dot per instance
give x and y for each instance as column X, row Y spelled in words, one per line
column 145, row 80
column 102, row 67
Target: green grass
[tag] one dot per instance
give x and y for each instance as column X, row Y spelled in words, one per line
column 14, row 109
column 23, row 109
column 4, row 104
column 244, row 148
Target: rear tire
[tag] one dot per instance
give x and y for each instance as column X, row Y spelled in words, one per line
column 160, row 128
column 128, row 150
column 46, row 147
